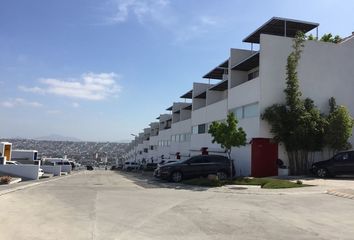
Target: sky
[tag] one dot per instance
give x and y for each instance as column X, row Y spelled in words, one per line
column 103, row 70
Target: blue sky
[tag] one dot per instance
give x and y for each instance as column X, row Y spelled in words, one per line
column 101, row 70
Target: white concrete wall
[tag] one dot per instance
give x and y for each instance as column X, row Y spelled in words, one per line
column 164, row 150
column 242, row 160
column 185, row 114
column 215, row 96
column 55, row 170
column 24, row 171
column 66, row 168
column 208, row 114
column 325, row 70
column 182, row 127
column 236, row 56
column 23, row 155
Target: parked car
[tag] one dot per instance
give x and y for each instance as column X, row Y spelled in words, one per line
column 196, row 166
column 40, row 172
column 163, row 162
column 88, row 167
column 340, row 164
column 130, row 166
column 150, row 166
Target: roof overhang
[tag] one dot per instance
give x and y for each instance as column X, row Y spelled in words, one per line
column 222, row 86
column 169, row 109
column 201, row 95
column 188, row 95
column 189, row 107
column 280, row 27
column 218, row 72
column 248, row 63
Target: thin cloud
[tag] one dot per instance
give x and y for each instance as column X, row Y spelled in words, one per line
column 20, row 102
column 54, row 112
column 75, row 105
column 31, row 89
column 160, row 13
column 90, row 86
column 141, row 9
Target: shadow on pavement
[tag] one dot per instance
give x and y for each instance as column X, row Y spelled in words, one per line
column 147, row 180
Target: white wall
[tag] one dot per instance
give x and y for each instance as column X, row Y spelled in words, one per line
column 24, row 171
column 66, row 168
column 23, row 155
column 208, row 114
column 164, row 150
column 242, row 160
column 181, row 127
column 55, row 170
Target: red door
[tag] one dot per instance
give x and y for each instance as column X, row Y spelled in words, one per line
column 264, row 158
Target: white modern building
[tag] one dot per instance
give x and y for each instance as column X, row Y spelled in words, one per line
column 249, row 81
column 164, row 137
column 181, row 130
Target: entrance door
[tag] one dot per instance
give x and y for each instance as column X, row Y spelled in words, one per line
column 264, row 158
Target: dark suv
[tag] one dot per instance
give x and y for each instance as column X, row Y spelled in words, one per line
column 196, row 166
column 340, row 164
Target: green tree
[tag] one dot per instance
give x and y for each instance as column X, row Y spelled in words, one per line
column 228, row 135
column 298, row 124
column 329, row 38
column 339, row 128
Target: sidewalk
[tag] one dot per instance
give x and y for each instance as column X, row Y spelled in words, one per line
column 5, row 189
column 340, row 186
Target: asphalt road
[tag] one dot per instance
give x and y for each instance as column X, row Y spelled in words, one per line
column 110, row 205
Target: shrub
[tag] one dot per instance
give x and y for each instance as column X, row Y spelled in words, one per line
column 5, row 179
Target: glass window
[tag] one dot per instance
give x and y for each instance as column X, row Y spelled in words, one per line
column 173, row 138
column 182, row 138
column 188, row 137
column 197, row 159
column 201, row 128
column 177, row 138
column 238, row 112
column 341, row 156
column 195, row 129
column 250, row 110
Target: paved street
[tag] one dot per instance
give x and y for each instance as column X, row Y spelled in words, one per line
column 112, row 205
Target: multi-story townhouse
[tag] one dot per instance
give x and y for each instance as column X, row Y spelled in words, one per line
column 252, row 80
column 153, row 143
column 180, row 130
column 209, row 104
column 164, row 137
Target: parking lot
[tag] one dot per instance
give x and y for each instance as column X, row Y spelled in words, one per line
column 114, row 205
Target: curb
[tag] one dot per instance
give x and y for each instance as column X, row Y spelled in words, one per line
column 338, row 193
column 7, row 191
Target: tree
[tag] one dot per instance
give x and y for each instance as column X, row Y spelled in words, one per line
column 339, row 128
column 326, row 38
column 329, row 38
column 297, row 123
column 228, row 135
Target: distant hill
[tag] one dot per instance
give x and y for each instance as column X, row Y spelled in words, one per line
column 56, row 137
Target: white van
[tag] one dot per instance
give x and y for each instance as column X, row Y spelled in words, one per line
column 64, row 163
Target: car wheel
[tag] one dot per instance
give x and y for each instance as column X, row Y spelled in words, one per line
column 221, row 175
column 322, row 172
column 176, row 176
